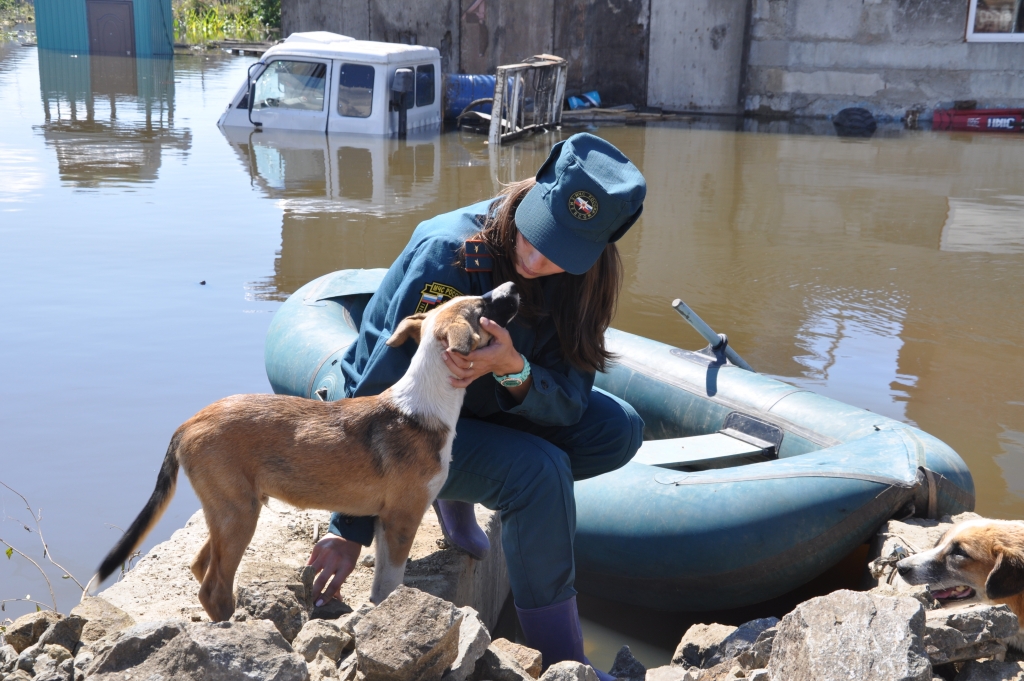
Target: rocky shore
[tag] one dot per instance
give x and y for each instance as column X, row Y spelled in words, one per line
column 438, row 626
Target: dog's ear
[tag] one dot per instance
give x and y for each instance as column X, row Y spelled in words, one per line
column 1007, row 576
column 461, row 337
column 407, row 328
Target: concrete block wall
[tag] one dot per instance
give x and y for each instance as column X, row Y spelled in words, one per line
column 815, row 57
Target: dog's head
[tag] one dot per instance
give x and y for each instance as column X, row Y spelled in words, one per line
column 456, row 324
column 983, row 556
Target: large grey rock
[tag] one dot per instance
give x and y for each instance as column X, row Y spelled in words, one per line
column 497, row 665
column 569, row 671
column 966, row 633
column 65, row 632
column 669, row 673
column 740, row 640
column 129, row 647
column 8, row 659
column 348, row 622
column 27, row 629
column 757, row 656
column 920, row 593
column 473, row 641
column 323, row 667
column 526, row 657
column 851, row 635
column 18, row 675
column 222, row 651
column 913, row 536
column 39, row 657
column 991, row 670
column 276, row 592
column 410, row 635
column 699, row 644
column 321, row 637
column 625, row 666
column 50, row 665
column 101, row 618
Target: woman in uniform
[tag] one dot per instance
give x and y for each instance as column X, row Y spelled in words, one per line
column 532, row 422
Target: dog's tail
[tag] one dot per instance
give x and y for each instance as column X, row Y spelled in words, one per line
column 166, row 481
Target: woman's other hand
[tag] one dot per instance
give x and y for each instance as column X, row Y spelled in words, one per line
column 333, row 558
column 499, row 357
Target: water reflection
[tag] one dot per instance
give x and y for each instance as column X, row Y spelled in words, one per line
column 108, row 119
column 353, row 200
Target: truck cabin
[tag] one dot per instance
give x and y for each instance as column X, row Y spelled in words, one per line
column 327, row 82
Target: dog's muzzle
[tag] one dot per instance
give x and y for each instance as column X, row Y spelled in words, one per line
column 502, row 303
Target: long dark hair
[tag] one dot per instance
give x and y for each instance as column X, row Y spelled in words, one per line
column 583, row 304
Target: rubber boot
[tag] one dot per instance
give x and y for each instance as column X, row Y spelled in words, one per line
column 555, row 631
column 458, row 525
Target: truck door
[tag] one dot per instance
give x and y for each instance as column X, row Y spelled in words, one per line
column 292, row 94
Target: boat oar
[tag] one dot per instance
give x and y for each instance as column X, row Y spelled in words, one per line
column 718, row 342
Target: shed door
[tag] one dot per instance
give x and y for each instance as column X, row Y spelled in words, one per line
column 111, row 27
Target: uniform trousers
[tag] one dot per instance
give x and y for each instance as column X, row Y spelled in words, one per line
column 526, row 471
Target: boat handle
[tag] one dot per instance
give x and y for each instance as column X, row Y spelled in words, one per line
column 717, row 342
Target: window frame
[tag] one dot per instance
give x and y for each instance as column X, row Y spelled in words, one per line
column 373, row 88
column 288, row 58
column 433, row 84
column 972, row 37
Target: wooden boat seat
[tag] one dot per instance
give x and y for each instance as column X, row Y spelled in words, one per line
column 727, row 448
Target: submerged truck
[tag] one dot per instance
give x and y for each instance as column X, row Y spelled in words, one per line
column 326, row 82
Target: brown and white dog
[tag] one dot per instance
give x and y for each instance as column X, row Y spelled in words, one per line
column 983, row 557
column 384, row 456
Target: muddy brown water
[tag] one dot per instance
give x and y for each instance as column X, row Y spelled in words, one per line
column 887, row 273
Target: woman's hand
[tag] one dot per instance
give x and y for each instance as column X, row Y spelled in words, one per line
column 333, row 558
column 499, row 357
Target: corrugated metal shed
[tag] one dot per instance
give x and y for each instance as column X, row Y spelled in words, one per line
column 133, row 28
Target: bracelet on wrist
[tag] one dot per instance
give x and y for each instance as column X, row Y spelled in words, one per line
column 517, row 379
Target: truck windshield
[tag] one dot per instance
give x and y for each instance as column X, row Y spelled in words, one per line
column 355, row 90
column 287, row 84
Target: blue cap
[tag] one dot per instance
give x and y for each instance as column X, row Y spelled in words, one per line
column 587, row 195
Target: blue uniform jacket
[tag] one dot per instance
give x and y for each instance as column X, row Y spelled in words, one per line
column 424, row 276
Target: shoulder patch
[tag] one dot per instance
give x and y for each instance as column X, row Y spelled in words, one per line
column 434, row 294
column 478, row 258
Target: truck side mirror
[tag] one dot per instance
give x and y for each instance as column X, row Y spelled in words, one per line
column 401, row 88
column 252, row 94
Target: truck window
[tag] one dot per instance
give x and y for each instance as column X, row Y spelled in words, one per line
column 355, row 90
column 424, row 85
column 287, row 84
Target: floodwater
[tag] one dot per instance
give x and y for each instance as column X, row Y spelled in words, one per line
column 887, row 273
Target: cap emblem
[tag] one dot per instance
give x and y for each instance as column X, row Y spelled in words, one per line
column 583, row 205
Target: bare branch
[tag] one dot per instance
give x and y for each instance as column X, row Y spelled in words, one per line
column 46, row 549
column 41, row 571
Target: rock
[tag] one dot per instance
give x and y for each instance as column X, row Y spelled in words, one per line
column 741, row 640
column 758, row 675
column 724, row 671
column 851, row 635
column 276, row 592
column 497, row 665
column 65, row 632
column 225, row 651
column 331, row 610
column 626, row 666
column 699, row 644
column 757, row 656
column 410, row 635
column 669, row 673
column 967, row 633
column 913, row 535
column 473, row 641
column 47, row 667
column 130, row 647
column 101, row 618
column 347, row 670
column 161, row 586
column 322, row 637
column 569, row 671
column 8, row 659
column 348, row 622
column 527, row 658
column 322, row 667
column 18, row 675
column 920, row 593
column 991, row 670
column 27, row 629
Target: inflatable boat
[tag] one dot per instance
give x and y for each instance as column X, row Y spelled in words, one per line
column 745, row 488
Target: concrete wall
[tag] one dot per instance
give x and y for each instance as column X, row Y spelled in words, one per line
column 814, row 57
column 696, row 54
